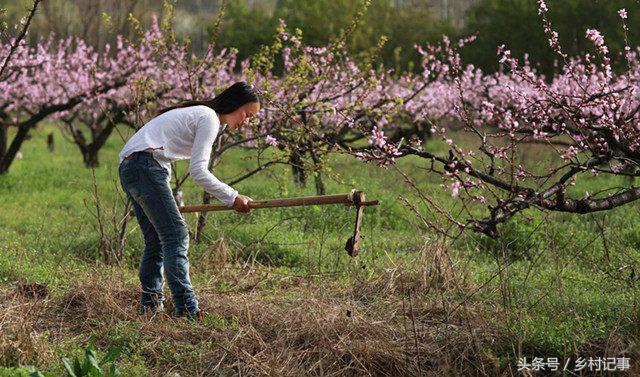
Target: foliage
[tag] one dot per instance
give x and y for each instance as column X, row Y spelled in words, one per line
column 24, row 371
column 323, row 20
column 326, row 100
column 515, row 23
column 91, row 367
column 78, row 367
column 587, row 115
column 323, row 102
column 245, row 29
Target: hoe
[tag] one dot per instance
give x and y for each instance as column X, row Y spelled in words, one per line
column 354, row 198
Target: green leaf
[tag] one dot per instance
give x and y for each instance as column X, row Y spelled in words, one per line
column 69, row 369
column 112, row 355
column 91, row 364
column 114, row 372
column 33, row 372
column 77, row 367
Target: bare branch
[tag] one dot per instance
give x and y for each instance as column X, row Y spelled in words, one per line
column 20, row 37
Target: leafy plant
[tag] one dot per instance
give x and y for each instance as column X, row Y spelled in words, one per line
column 90, row 365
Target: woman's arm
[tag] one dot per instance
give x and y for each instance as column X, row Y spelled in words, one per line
column 207, row 127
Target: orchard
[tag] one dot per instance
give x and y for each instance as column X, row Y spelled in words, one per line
column 515, row 170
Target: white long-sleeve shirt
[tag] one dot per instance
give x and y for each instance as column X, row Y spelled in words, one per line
column 182, row 134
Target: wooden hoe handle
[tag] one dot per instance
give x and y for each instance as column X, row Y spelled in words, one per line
column 347, row 199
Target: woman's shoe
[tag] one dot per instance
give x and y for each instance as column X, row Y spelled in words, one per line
column 152, row 310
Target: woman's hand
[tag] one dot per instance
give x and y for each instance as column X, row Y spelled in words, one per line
column 241, row 204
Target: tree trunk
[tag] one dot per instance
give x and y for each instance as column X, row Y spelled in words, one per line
column 317, row 176
column 10, row 154
column 50, row 142
column 90, row 157
column 297, row 169
column 202, row 219
column 3, row 140
column 99, row 139
column 320, row 189
column 24, row 127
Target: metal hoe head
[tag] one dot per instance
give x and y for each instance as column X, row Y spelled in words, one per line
column 353, row 243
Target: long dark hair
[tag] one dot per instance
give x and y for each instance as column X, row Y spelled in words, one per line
column 226, row 102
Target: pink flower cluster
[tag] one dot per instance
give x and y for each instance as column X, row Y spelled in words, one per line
column 324, row 102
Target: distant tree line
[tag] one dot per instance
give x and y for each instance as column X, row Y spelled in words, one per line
column 403, row 23
column 248, row 24
column 516, row 24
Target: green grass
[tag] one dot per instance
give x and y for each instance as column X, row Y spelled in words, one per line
column 559, row 284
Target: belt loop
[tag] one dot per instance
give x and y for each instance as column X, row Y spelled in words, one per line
column 132, row 156
column 137, row 154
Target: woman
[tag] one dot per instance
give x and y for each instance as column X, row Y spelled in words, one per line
column 185, row 131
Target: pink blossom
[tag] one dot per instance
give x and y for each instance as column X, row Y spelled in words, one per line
column 286, row 57
column 618, row 167
column 271, row 140
column 595, row 36
column 542, row 7
column 455, row 189
column 377, row 138
column 623, row 13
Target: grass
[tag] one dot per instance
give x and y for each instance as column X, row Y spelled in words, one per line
column 283, row 296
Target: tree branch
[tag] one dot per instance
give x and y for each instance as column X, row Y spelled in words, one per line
column 20, row 37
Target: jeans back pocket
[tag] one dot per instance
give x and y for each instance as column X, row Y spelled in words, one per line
column 128, row 173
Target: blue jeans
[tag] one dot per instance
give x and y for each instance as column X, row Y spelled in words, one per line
column 166, row 236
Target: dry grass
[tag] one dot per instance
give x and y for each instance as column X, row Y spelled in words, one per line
column 267, row 324
column 400, row 322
